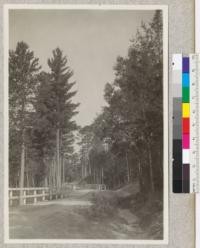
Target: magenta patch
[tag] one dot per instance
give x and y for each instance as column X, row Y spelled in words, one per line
column 186, row 141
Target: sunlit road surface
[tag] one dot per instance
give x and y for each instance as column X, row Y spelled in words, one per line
column 69, row 219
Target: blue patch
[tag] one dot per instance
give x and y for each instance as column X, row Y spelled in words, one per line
column 185, row 80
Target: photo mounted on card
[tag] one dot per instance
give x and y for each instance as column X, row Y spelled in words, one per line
column 86, row 124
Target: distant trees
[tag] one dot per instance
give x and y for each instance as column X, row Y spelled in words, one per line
column 132, row 121
column 40, row 115
column 72, row 168
column 85, row 143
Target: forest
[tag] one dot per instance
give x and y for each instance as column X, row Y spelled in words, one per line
column 123, row 144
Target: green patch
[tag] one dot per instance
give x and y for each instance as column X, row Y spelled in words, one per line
column 185, row 94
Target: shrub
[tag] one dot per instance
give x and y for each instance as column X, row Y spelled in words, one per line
column 103, row 204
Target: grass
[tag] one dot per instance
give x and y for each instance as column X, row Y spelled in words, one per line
column 104, row 204
column 148, row 210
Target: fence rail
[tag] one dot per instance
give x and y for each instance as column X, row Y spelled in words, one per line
column 31, row 188
column 84, row 186
column 33, row 195
column 92, row 186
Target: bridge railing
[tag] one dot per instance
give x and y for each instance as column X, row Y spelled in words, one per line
column 32, row 195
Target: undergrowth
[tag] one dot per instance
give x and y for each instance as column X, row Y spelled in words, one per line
column 104, row 205
column 149, row 211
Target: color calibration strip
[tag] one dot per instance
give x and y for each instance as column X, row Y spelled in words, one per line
column 177, row 120
column 185, row 125
column 185, row 77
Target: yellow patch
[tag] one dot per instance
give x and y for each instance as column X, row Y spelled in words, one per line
column 185, row 110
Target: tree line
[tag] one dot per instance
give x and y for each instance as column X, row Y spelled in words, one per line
column 41, row 127
column 125, row 141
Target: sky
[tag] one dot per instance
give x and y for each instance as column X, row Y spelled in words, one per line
column 91, row 40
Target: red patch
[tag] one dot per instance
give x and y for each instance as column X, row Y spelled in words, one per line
column 186, row 125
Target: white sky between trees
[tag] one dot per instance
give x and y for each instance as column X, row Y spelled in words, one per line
column 91, row 39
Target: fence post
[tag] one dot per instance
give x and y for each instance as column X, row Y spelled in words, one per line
column 24, row 197
column 61, row 194
column 43, row 197
column 32, row 193
column 50, row 195
column 11, row 195
column 35, row 196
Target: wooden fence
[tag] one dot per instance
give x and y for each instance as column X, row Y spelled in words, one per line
column 32, row 195
column 74, row 186
column 91, row 186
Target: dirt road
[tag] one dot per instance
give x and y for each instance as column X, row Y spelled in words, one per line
column 68, row 219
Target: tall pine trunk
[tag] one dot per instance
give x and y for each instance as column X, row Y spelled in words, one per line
column 27, row 180
column 128, row 170
column 63, row 170
column 102, row 176
column 54, row 173
column 150, row 167
column 140, row 176
column 22, row 169
column 58, row 158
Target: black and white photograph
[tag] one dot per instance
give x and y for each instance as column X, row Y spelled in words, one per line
column 87, row 132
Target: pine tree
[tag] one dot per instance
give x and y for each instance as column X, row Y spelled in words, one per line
column 43, row 134
column 23, row 67
column 139, row 79
column 133, row 117
column 64, row 108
